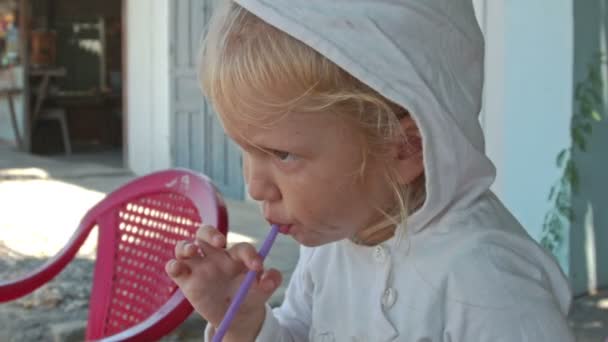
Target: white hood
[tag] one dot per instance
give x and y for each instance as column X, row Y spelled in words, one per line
column 427, row 57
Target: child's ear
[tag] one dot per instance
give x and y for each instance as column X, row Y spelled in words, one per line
column 407, row 157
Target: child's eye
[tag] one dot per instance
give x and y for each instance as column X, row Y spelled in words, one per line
column 283, row 156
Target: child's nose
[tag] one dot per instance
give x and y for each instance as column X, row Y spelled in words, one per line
column 259, row 183
column 263, row 190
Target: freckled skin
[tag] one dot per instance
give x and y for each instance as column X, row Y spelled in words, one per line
column 304, row 169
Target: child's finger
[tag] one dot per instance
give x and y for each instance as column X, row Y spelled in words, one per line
column 270, row 280
column 177, row 269
column 267, row 283
column 207, row 250
column 247, row 254
column 185, row 249
column 211, row 235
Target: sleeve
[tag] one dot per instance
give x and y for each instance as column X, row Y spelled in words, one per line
column 537, row 324
column 508, row 294
column 291, row 321
column 209, row 331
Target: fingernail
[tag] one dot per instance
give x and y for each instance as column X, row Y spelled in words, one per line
column 256, row 263
column 270, row 284
column 218, row 239
column 171, row 263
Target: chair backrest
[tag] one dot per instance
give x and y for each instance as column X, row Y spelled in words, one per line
column 132, row 298
column 139, row 226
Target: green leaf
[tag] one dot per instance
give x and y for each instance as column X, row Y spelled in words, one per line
column 597, row 96
column 578, row 91
column 551, row 193
column 594, row 75
column 585, row 105
column 568, row 169
column 547, row 244
column 557, row 238
column 560, row 158
column 587, row 128
column 562, row 210
column 574, row 179
column 589, row 97
column 579, row 140
column 586, row 113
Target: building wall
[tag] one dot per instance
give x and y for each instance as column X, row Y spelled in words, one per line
column 527, row 101
column 538, row 103
column 148, row 122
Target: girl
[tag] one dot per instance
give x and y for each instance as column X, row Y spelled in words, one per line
column 358, row 125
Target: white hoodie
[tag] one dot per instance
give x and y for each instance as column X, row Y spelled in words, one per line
column 466, row 270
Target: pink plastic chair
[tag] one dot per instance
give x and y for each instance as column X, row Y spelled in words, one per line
column 132, row 298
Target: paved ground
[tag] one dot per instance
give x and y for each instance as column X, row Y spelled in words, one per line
column 42, row 200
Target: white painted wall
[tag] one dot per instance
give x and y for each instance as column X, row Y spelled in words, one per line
column 528, row 99
column 490, row 15
column 148, row 107
column 6, row 127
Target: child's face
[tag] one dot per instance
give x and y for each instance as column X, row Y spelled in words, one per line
column 304, row 169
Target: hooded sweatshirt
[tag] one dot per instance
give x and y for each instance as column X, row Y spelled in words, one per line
column 462, row 268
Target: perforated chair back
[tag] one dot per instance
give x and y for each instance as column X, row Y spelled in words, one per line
column 132, row 298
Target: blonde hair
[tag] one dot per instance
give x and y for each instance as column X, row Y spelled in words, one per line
column 269, row 69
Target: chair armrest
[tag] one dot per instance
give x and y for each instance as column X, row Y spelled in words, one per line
column 15, row 288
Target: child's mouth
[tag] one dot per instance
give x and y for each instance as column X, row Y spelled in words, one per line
column 284, row 229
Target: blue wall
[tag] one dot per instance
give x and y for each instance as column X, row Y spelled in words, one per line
column 538, row 103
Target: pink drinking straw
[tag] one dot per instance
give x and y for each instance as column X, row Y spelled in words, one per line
column 242, row 292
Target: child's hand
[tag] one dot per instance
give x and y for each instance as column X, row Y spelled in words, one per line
column 209, row 276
